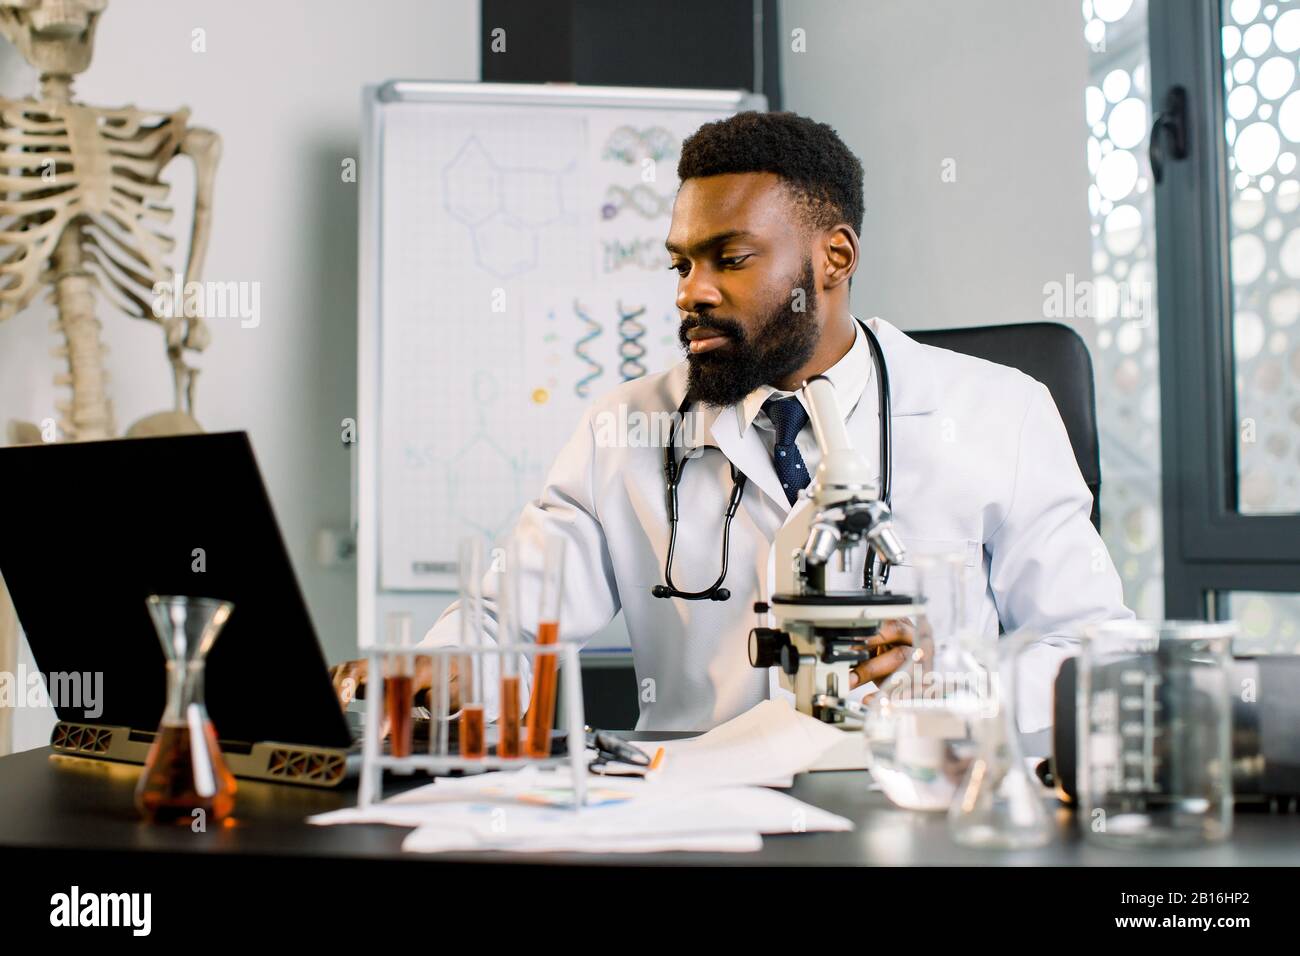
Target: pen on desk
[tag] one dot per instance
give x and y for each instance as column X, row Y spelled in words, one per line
column 616, row 748
column 608, row 764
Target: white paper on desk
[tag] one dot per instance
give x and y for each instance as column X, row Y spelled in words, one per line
column 439, row 840
column 708, row 785
column 650, row 808
column 727, row 817
column 721, row 818
column 849, row 753
column 766, row 745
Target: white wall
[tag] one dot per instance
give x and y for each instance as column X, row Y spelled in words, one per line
column 281, row 82
column 994, row 85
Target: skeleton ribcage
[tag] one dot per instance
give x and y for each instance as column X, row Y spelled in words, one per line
column 94, row 169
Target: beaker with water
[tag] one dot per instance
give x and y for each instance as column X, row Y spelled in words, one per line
column 918, row 723
column 1155, row 732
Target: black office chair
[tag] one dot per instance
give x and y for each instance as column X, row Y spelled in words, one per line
column 1054, row 354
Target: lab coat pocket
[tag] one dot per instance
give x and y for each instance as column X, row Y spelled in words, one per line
column 951, row 602
column 966, row 549
column 907, row 577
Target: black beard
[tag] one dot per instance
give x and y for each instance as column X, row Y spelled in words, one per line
column 783, row 342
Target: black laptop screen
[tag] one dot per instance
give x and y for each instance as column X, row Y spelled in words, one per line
column 93, row 528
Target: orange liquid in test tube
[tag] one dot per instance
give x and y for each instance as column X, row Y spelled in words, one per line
column 401, row 726
column 473, row 738
column 541, row 710
column 508, row 746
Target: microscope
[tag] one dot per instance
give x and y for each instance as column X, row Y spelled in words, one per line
column 822, row 624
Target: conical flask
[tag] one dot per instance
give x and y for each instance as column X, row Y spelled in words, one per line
column 998, row 804
column 185, row 778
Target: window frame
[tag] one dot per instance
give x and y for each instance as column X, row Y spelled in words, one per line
column 1209, row 545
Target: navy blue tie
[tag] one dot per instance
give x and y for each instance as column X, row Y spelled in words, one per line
column 788, row 417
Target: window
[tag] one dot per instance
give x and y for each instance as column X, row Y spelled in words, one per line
column 1228, row 256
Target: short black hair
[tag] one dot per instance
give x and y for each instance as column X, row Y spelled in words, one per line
column 822, row 174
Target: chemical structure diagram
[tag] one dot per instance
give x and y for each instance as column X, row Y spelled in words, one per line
column 480, row 460
column 503, row 207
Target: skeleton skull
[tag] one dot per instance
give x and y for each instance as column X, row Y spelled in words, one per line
column 55, row 36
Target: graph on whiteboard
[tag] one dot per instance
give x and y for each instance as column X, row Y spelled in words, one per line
column 523, row 274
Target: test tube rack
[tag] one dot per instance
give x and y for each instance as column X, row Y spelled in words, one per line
column 374, row 761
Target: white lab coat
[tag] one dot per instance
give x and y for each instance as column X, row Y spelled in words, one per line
column 982, row 465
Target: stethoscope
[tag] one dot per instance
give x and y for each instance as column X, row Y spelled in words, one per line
column 673, row 471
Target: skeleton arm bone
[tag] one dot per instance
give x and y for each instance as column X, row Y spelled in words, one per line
column 203, row 146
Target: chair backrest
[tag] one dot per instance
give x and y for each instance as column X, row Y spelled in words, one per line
column 1057, row 356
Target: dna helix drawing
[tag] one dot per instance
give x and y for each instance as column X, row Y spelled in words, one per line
column 630, row 333
column 628, row 144
column 594, row 329
column 641, row 199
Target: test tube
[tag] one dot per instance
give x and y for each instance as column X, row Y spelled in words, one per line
column 439, row 704
column 473, row 733
column 509, row 631
column 541, row 709
column 398, row 683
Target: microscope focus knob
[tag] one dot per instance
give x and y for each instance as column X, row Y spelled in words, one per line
column 765, row 644
column 790, row 659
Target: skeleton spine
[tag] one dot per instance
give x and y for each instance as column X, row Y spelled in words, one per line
column 90, row 414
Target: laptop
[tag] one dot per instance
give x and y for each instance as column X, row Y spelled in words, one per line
column 93, row 528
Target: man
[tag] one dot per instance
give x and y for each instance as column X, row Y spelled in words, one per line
column 764, row 238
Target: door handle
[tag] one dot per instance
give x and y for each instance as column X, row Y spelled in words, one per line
column 1169, row 133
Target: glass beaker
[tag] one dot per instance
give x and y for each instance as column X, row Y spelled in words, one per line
column 185, row 776
column 918, row 723
column 999, row 805
column 1155, row 732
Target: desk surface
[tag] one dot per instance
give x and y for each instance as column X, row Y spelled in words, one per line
column 50, row 801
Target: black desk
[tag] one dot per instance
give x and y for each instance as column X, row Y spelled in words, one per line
column 74, row 804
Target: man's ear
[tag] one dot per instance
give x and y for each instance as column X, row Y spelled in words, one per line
column 840, row 248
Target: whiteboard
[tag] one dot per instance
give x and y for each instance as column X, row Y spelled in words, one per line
column 512, row 270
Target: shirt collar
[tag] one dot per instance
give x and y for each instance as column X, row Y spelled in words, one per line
column 849, row 375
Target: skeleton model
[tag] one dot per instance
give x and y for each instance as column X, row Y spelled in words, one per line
column 82, row 208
